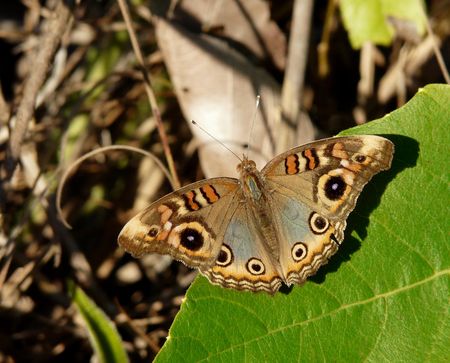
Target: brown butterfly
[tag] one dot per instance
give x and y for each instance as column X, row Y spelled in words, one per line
column 269, row 227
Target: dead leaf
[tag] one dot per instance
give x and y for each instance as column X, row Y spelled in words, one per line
column 217, row 87
column 246, row 22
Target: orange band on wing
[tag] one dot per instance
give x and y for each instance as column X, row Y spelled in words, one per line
column 190, row 201
column 311, row 157
column 353, row 167
column 291, row 164
column 210, row 194
column 339, row 151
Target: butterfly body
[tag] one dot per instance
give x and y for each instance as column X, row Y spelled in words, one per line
column 258, row 201
column 269, row 227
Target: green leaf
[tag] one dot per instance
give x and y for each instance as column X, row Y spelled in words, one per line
column 384, row 297
column 368, row 20
column 105, row 339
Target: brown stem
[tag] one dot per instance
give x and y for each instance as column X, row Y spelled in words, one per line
column 322, row 48
column 292, row 91
column 149, row 90
column 54, row 29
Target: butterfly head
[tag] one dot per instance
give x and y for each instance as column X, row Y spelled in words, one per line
column 246, row 166
column 251, row 179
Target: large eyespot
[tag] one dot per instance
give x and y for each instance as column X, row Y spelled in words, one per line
column 318, row 224
column 335, row 187
column 299, row 251
column 153, row 231
column 191, row 239
column 225, row 256
column 255, row 266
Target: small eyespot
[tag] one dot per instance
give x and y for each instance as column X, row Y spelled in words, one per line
column 299, row 251
column 191, row 239
column 225, row 256
column 255, row 266
column 318, row 224
column 359, row 158
column 153, row 231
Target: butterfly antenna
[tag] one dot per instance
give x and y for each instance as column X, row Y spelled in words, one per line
column 258, row 98
column 216, row 139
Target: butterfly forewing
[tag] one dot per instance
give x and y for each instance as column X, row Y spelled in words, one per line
column 329, row 174
column 187, row 224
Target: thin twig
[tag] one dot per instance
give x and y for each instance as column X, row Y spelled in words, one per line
column 77, row 162
column 291, row 94
column 54, row 29
column 4, row 108
column 149, row 89
column 323, row 47
column 437, row 51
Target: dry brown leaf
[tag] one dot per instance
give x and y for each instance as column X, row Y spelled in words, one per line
column 247, row 22
column 217, row 87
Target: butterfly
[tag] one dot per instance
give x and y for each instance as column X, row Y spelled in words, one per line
column 269, row 227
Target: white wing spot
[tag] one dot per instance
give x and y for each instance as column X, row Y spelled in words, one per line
column 167, row 226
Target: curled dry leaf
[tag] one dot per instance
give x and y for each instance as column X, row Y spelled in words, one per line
column 217, row 87
column 246, row 22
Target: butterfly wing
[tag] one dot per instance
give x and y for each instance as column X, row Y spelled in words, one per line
column 313, row 189
column 244, row 263
column 307, row 238
column 188, row 224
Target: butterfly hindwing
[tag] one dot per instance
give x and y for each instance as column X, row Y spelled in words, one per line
column 244, row 262
column 307, row 238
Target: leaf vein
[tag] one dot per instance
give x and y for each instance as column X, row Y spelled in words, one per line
column 340, row 309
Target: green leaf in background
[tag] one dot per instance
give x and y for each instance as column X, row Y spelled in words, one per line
column 105, row 339
column 384, row 297
column 368, row 20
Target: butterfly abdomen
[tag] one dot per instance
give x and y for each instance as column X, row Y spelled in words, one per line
column 256, row 198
